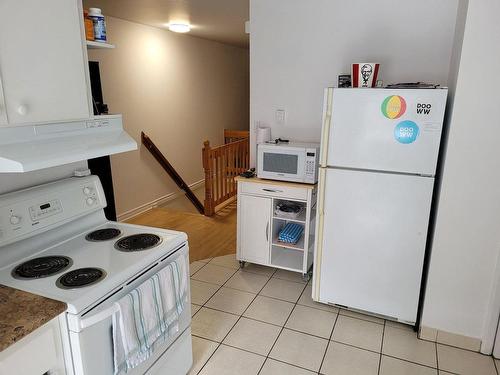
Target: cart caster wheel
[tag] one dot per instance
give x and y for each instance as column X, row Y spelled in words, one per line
column 306, row 277
column 242, row 264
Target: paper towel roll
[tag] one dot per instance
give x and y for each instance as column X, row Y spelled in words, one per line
column 263, row 135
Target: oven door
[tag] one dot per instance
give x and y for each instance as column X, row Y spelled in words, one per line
column 281, row 163
column 92, row 343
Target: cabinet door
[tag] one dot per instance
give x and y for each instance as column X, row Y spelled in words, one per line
column 254, row 222
column 38, row 353
column 42, row 61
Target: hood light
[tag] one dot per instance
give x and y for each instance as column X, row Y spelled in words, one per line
column 179, row 27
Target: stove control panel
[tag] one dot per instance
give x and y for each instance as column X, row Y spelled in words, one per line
column 27, row 212
column 44, row 210
column 90, row 194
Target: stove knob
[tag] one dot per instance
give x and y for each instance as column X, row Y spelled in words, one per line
column 86, row 190
column 14, row 220
column 90, row 201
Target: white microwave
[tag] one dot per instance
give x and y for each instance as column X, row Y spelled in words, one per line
column 296, row 162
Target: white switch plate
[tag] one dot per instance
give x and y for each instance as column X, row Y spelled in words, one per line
column 280, row 116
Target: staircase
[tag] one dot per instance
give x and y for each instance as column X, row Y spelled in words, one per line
column 222, row 164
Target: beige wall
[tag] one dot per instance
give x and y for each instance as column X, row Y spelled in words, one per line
column 180, row 91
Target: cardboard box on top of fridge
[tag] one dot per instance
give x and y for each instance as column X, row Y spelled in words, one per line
column 364, row 74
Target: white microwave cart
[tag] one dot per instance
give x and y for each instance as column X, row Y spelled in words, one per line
column 260, row 223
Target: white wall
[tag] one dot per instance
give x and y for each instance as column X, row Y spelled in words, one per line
column 467, row 233
column 299, row 47
column 179, row 90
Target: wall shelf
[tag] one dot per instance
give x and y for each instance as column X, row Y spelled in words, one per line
column 99, row 45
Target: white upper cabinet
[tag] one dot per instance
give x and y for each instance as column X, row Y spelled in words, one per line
column 43, row 60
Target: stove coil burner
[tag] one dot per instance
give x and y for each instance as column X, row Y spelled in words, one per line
column 103, row 234
column 37, row 268
column 138, row 242
column 80, row 277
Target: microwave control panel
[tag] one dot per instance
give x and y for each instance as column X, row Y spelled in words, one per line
column 311, row 166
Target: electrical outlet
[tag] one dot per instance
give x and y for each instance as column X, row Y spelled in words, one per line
column 280, row 116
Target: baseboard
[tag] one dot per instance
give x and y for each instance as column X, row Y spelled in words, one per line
column 157, row 202
column 448, row 338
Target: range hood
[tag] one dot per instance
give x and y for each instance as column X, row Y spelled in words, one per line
column 31, row 147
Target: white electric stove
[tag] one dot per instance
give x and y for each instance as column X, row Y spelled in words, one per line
column 56, row 242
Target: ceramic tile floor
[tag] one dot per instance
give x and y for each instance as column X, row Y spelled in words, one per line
column 260, row 320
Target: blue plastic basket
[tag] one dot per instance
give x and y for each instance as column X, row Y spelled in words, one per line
column 291, row 233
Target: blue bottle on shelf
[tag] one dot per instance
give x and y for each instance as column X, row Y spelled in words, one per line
column 99, row 24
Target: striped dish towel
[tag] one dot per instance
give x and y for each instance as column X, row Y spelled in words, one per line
column 291, row 233
column 148, row 315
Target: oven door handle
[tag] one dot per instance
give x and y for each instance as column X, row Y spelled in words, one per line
column 99, row 317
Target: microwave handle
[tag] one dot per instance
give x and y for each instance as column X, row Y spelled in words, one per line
column 273, row 190
column 99, row 317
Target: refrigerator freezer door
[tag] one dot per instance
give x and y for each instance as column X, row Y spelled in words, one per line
column 373, row 243
column 384, row 129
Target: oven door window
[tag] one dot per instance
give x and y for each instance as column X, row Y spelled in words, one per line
column 280, row 163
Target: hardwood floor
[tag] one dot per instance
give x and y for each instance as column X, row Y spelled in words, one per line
column 208, row 236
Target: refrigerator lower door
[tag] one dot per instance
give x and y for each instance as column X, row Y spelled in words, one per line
column 373, row 242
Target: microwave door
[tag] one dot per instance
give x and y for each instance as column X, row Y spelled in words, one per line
column 282, row 164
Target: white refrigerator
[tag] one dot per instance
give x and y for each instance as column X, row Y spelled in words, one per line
column 378, row 159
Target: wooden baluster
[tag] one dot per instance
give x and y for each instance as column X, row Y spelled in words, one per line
column 207, row 165
column 216, row 178
column 224, row 176
column 223, row 173
column 214, row 170
column 229, row 170
column 232, row 157
column 217, row 174
column 235, row 166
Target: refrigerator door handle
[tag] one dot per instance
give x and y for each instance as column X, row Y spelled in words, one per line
column 267, row 231
column 325, row 133
column 318, row 248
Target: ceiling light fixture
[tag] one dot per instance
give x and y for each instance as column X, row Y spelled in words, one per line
column 178, row 27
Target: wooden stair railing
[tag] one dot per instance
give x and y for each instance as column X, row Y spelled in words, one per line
column 148, row 143
column 222, row 164
column 235, row 135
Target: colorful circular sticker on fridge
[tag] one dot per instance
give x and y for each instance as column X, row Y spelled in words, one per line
column 393, row 107
column 406, row 132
